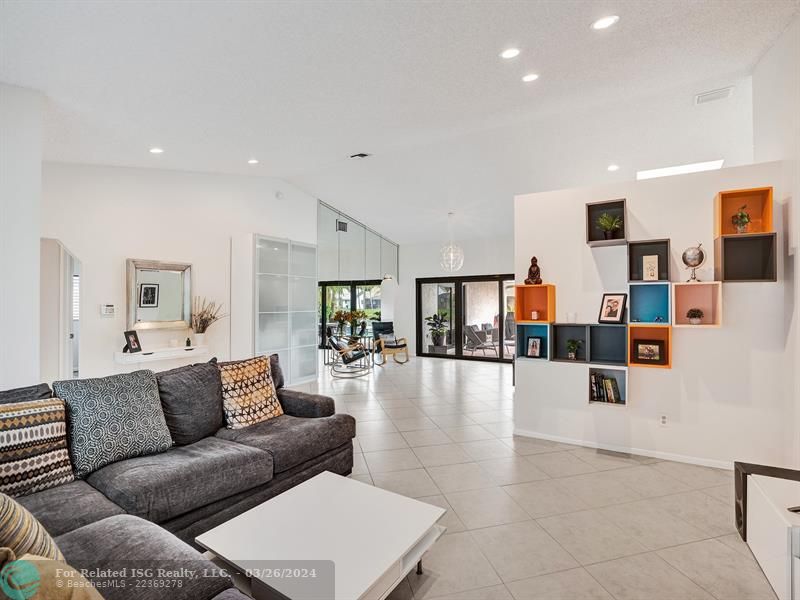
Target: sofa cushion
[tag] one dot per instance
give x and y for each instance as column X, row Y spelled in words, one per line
column 113, row 418
column 128, row 542
column 192, row 400
column 40, row 391
column 33, row 446
column 22, row 533
column 49, row 579
column 294, row 440
column 248, row 393
column 162, row 486
column 66, row 507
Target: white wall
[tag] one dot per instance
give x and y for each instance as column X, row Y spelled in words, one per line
column 20, row 194
column 482, row 256
column 726, row 396
column 776, row 136
column 107, row 214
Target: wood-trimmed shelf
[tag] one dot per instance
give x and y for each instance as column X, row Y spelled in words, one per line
column 705, row 295
column 746, row 257
column 641, row 332
column 540, row 298
column 759, row 206
column 608, row 345
column 526, row 330
column 594, row 235
column 641, row 248
column 561, row 332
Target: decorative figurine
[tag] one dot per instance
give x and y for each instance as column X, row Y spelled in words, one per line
column 534, row 273
column 694, row 258
column 188, row 342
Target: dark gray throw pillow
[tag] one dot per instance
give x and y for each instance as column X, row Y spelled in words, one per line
column 40, row 391
column 112, row 418
column 192, row 400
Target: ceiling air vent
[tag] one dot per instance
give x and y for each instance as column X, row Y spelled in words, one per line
column 360, row 155
column 341, row 225
column 721, row 94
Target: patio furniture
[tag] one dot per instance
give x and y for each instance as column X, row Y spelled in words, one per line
column 387, row 344
column 349, row 360
column 476, row 340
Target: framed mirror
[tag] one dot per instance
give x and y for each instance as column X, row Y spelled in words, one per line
column 159, row 294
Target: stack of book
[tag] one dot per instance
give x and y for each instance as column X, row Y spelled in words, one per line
column 605, row 389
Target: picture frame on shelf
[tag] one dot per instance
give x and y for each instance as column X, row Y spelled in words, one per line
column 612, row 309
column 650, row 267
column 534, row 347
column 148, row 295
column 132, row 343
column 651, row 352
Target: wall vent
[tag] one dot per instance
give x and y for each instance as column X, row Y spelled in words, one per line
column 341, row 225
column 721, row 94
column 360, row 155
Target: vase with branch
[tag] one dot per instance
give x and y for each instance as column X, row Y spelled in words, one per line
column 341, row 317
column 204, row 314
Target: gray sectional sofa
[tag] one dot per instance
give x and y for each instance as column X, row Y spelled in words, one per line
column 145, row 512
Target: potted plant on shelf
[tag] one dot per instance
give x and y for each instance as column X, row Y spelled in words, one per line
column 572, row 349
column 694, row 315
column 741, row 219
column 341, row 317
column 438, row 328
column 609, row 224
column 204, row 314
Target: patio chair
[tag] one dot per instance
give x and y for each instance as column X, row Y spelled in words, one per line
column 509, row 332
column 476, row 340
column 349, row 360
column 386, row 344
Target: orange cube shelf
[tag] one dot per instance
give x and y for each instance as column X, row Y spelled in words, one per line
column 645, row 333
column 540, row 298
column 759, row 206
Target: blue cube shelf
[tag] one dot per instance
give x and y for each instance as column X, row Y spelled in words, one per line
column 647, row 301
column 526, row 331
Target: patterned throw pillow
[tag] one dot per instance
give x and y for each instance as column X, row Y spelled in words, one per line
column 248, row 394
column 22, row 533
column 113, row 418
column 33, row 447
column 37, row 577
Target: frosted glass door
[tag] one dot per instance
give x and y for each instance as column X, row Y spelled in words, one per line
column 272, row 297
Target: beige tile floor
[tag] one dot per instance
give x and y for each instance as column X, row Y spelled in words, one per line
column 532, row 519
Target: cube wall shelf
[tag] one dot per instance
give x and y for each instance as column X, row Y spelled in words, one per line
column 608, row 344
column 705, row 295
column 540, row 298
column 746, row 257
column 595, row 235
column 650, row 333
column 598, row 394
column 562, row 332
column 647, row 302
column 758, row 203
column 639, row 249
column 524, row 332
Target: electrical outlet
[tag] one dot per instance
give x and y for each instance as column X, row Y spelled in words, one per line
column 662, row 420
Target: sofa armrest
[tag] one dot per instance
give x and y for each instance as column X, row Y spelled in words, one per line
column 301, row 404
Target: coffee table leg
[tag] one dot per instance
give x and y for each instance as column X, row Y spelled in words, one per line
column 419, row 568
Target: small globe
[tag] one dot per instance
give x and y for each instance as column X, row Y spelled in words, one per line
column 693, row 257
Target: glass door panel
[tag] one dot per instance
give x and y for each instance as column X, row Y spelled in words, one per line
column 509, row 329
column 481, row 319
column 438, row 299
column 368, row 299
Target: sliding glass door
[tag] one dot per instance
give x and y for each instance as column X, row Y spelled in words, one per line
column 466, row 317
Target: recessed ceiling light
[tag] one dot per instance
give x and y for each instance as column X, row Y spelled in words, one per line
column 710, row 165
column 530, row 77
column 509, row 53
column 605, row 22
column 252, row 161
column 613, row 168
column 156, row 151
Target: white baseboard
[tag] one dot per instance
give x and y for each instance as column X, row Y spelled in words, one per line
column 692, row 460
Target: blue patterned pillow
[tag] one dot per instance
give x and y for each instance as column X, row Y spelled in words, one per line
column 113, row 418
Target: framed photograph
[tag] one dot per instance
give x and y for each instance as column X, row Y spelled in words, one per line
column 148, row 295
column 535, row 347
column 651, row 352
column 650, row 267
column 612, row 309
column 132, row 342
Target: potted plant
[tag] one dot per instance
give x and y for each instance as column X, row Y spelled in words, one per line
column 204, row 314
column 341, row 317
column 438, row 329
column 694, row 315
column 572, row 349
column 609, row 224
column 741, row 219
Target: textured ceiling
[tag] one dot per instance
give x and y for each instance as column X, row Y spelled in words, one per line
column 302, row 85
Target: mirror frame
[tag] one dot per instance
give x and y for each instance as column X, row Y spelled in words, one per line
column 132, row 264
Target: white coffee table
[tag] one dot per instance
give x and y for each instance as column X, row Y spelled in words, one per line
column 374, row 537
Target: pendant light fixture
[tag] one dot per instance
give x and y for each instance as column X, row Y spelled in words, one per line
column 452, row 255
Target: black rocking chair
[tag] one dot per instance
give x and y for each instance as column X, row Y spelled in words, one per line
column 349, row 359
column 388, row 347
